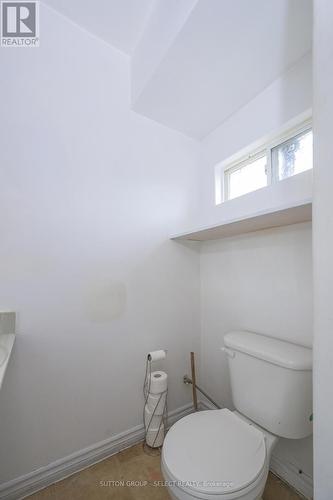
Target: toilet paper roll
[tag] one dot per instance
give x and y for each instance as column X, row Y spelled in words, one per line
column 152, row 421
column 156, row 402
column 158, row 382
column 156, row 355
column 155, row 437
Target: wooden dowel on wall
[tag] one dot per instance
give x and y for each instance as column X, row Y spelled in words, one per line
column 194, row 390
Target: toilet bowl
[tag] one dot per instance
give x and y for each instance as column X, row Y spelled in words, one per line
column 225, row 455
column 215, row 455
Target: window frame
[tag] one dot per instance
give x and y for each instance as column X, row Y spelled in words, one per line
column 274, row 172
column 222, row 174
column 237, row 166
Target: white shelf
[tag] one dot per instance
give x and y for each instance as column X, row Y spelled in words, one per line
column 283, row 216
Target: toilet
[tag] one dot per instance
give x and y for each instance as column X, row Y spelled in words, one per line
column 223, row 454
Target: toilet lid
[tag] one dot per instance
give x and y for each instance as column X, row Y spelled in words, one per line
column 213, row 452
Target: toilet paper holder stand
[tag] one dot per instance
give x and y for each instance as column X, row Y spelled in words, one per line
column 156, row 422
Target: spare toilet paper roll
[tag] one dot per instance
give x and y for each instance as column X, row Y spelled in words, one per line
column 156, row 355
column 155, row 437
column 152, row 420
column 156, row 403
column 158, row 382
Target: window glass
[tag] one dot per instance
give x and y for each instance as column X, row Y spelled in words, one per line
column 247, row 178
column 293, row 156
column 276, row 161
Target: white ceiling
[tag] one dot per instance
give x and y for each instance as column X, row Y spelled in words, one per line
column 226, row 53
column 196, row 62
column 118, row 22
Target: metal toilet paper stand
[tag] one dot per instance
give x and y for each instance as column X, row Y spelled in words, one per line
column 155, row 391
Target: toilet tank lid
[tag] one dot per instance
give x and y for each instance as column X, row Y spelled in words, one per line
column 278, row 352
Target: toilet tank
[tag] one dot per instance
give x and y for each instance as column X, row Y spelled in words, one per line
column 271, row 382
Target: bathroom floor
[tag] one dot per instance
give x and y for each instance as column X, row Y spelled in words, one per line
column 103, row 481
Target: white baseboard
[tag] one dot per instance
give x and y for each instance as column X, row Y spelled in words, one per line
column 287, row 471
column 41, row 478
column 206, row 405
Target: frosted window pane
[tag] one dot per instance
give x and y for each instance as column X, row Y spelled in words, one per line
column 248, row 178
column 293, row 156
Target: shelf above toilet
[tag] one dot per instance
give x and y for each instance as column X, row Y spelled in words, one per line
column 283, row 216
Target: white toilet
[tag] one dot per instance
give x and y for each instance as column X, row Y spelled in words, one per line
column 220, row 454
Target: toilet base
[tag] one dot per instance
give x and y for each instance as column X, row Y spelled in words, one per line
column 177, row 498
column 252, row 492
column 195, row 498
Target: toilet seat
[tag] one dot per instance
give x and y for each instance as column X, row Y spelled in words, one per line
column 213, row 453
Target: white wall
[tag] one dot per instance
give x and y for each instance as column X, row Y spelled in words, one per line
column 286, row 99
column 323, row 248
column 260, row 281
column 88, row 195
column 162, row 28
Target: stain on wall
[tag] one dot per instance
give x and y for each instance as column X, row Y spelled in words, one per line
column 105, row 301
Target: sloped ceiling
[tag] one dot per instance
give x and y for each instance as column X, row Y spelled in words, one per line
column 226, row 53
column 196, row 62
column 117, row 22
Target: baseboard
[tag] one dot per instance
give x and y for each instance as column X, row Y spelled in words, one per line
column 289, row 473
column 25, row 485
column 206, row 405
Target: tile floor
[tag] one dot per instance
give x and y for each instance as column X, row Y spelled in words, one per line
column 95, row 483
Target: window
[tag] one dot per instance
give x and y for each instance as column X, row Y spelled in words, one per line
column 246, row 177
column 293, row 156
column 287, row 156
